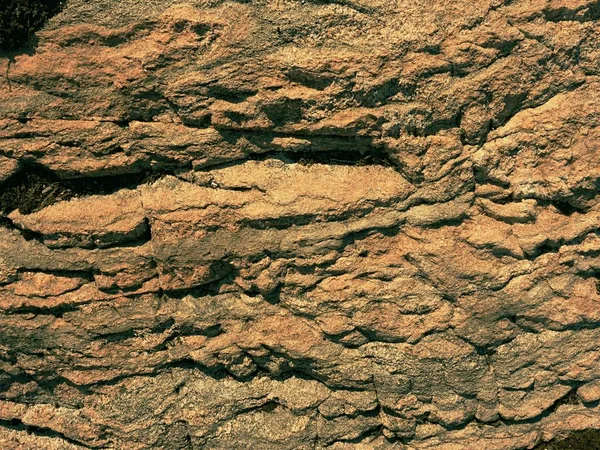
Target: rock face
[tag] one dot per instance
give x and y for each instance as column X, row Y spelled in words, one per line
column 370, row 225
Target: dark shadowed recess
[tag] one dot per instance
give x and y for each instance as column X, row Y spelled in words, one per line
column 20, row 19
column 34, row 188
column 375, row 157
column 579, row 440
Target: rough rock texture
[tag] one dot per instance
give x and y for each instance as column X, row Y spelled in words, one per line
column 378, row 226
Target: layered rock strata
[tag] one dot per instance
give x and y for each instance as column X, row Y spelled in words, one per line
column 368, row 225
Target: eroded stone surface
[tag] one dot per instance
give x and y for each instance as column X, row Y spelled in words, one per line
column 380, row 229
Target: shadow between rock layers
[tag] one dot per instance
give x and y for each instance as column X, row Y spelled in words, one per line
column 302, row 225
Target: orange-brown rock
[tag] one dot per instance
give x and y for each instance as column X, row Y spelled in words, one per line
column 365, row 225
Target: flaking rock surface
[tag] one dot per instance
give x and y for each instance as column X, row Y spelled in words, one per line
column 372, row 225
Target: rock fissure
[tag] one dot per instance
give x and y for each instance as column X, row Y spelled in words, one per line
column 16, row 424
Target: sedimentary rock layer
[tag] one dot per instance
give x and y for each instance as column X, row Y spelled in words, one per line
column 369, row 225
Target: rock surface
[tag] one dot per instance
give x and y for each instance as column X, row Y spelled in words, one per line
column 376, row 226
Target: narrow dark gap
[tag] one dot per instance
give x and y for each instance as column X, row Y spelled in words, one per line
column 223, row 273
column 119, row 336
column 311, row 79
column 161, row 327
column 370, row 433
column 228, row 94
column 268, row 407
column 374, row 157
column 293, row 373
column 568, row 398
column 35, row 187
column 285, row 222
column 487, row 350
column 565, row 207
column 549, row 246
column 17, row 424
column 189, row 329
column 435, row 126
column 513, row 103
column 273, row 297
column 218, row 373
column 121, row 123
column 86, row 274
column 482, row 177
column 55, row 311
column 356, row 7
column 592, row 272
column 546, row 247
column 505, row 200
column 28, row 235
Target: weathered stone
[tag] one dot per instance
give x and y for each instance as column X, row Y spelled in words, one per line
column 364, row 225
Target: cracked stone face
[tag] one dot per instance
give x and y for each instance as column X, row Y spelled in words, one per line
column 301, row 225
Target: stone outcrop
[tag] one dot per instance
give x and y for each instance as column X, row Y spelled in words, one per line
column 303, row 224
